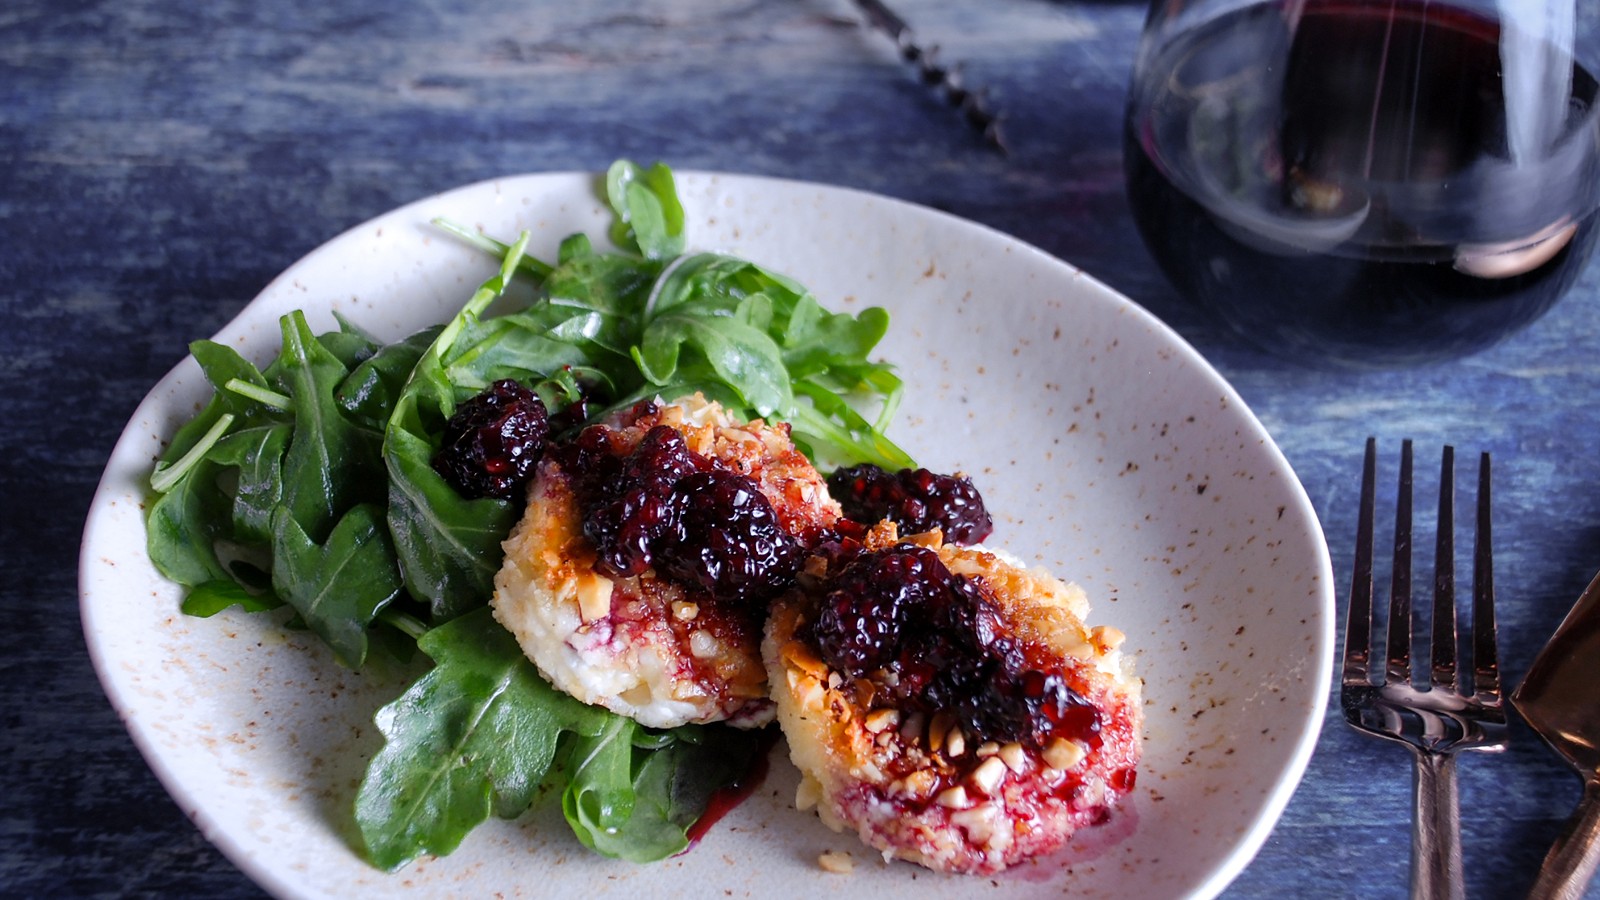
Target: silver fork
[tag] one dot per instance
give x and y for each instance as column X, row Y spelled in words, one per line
column 1443, row 710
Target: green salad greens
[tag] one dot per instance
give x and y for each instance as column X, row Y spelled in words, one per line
column 308, row 484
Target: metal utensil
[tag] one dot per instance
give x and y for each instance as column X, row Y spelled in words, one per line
column 1448, row 708
column 972, row 104
column 1560, row 699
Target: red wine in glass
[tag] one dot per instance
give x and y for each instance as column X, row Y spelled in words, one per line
column 1365, row 184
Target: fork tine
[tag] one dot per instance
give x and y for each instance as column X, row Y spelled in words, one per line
column 1485, row 658
column 1358, row 617
column 1398, row 670
column 1437, row 722
column 1444, row 577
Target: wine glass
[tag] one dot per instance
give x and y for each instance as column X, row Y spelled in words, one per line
column 1367, row 183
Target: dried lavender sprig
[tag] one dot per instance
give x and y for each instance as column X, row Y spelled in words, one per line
column 947, row 79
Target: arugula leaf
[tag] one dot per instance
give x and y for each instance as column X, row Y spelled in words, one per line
column 649, row 215
column 212, row 597
column 368, row 393
column 748, row 337
column 815, row 341
column 536, row 268
column 222, row 364
column 191, row 512
column 351, row 345
column 643, row 790
column 338, row 587
column 182, row 525
column 482, row 732
column 475, row 735
column 717, row 280
column 743, row 357
column 322, row 467
column 834, row 434
column 573, row 247
column 616, row 287
column 448, row 547
column 599, row 796
column 256, row 453
column 522, row 346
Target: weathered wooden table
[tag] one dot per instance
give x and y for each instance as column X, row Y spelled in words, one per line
column 161, row 162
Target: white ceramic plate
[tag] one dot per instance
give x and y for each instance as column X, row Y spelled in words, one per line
column 1108, row 449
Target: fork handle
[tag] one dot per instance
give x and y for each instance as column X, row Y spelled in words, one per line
column 1576, row 854
column 1435, row 829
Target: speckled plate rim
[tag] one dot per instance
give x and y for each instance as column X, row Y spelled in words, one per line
column 738, row 227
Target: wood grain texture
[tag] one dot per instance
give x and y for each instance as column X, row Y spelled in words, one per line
column 161, row 162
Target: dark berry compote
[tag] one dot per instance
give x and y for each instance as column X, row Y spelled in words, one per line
column 659, row 506
column 916, row 500
column 492, row 443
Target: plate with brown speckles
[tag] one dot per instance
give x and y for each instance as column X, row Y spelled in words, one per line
column 1109, row 451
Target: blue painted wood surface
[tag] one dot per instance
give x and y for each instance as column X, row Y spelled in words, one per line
column 160, row 162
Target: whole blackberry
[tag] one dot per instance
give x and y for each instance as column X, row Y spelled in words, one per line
column 632, row 508
column 960, row 638
column 492, row 443
column 916, row 500
column 863, row 619
column 626, row 529
column 661, row 458
column 730, row 541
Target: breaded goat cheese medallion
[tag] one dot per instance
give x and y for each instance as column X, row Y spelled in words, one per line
column 949, row 705
column 639, row 575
